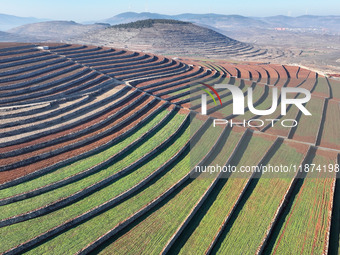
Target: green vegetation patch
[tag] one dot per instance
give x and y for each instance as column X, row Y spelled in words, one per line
column 148, row 23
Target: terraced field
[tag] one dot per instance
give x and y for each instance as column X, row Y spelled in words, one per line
column 98, row 148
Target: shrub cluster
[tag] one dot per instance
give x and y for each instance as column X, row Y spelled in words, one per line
column 148, row 23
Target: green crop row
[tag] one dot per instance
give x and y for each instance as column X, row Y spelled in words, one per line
column 308, row 126
column 41, row 224
column 76, row 238
column 228, row 109
column 245, row 233
column 305, row 227
column 222, row 199
column 331, row 132
column 267, row 103
column 148, row 145
column 83, row 164
column 150, row 234
column 322, row 87
column 335, row 86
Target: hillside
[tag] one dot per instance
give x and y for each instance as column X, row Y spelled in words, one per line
column 289, row 40
column 10, row 21
column 99, row 147
column 238, row 22
column 10, row 37
column 172, row 37
column 55, row 30
column 128, row 17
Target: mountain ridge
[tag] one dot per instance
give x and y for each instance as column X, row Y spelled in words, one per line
column 8, row 21
column 172, row 37
column 234, row 21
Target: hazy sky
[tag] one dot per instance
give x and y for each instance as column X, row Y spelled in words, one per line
column 84, row 10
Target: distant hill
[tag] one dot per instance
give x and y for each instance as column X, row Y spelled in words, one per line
column 127, row 17
column 331, row 23
column 241, row 27
column 56, row 30
column 322, row 24
column 170, row 37
column 206, row 19
column 230, row 22
column 10, row 21
column 149, row 23
column 236, row 22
